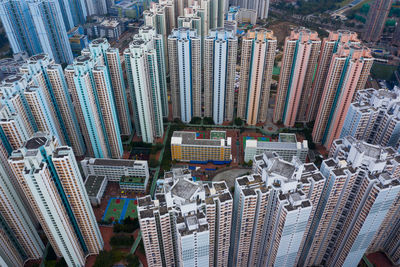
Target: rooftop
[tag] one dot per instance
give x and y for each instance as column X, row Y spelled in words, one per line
column 93, row 184
column 189, row 138
column 35, row 142
column 117, row 162
column 185, row 189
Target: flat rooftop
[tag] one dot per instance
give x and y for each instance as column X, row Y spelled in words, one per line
column 116, row 162
column 287, row 138
column 185, row 189
column 35, row 142
column 189, row 138
column 93, row 184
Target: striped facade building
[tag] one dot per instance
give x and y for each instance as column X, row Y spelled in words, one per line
column 300, row 58
column 329, row 47
column 273, row 209
column 348, row 73
column 91, row 91
column 147, row 78
column 257, row 62
column 362, row 187
column 188, row 223
column 51, row 181
column 374, row 116
column 220, row 52
column 109, row 57
column 184, row 50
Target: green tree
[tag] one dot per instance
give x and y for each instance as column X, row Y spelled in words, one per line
column 238, row 121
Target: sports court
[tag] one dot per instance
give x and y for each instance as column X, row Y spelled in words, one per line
column 120, row 208
column 217, row 135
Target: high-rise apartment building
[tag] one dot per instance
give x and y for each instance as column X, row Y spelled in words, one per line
column 27, row 97
column 14, row 131
column 348, row 73
column 196, row 17
column 362, row 186
column 387, row 238
column 91, row 90
column 16, row 223
column 376, row 19
column 40, row 28
column 51, row 181
column 188, row 223
column 184, row 49
column 96, row 7
column 107, row 56
column 273, row 209
column 50, row 77
column 43, row 112
column 261, row 6
column 162, row 17
column 51, row 31
column 17, row 22
column 374, row 117
column 12, row 96
column 329, row 47
column 147, row 79
column 220, row 52
column 257, row 62
column 300, row 57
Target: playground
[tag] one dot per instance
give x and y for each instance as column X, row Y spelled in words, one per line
column 120, row 208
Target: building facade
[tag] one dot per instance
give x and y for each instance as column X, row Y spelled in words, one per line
column 184, row 49
column 188, row 223
column 50, row 77
column 147, row 79
column 329, row 47
column 345, row 223
column 114, row 169
column 186, row 147
column 48, row 173
column 374, row 116
column 220, row 53
column 91, row 91
column 286, row 147
column 348, row 73
column 257, row 62
column 300, row 57
column 273, row 208
column 109, row 57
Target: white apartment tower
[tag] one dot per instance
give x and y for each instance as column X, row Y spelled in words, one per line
column 273, row 209
column 147, row 78
column 220, row 52
column 50, row 77
column 184, row 49
column 374, row 116
column 188, row 224
column 91, row 90
column 51, row 181
column 108, row 56
column 362, row 186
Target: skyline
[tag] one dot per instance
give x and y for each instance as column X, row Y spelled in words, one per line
column 199, row 133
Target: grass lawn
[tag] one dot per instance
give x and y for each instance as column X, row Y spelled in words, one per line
column 114, row 209
column 383, row 71
column 132, row 210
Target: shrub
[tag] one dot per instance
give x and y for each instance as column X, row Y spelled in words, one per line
column 121, row 241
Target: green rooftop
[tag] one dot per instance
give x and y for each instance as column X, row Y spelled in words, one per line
column 131, row 180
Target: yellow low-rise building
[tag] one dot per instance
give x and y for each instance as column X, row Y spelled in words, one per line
column 186, row 147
